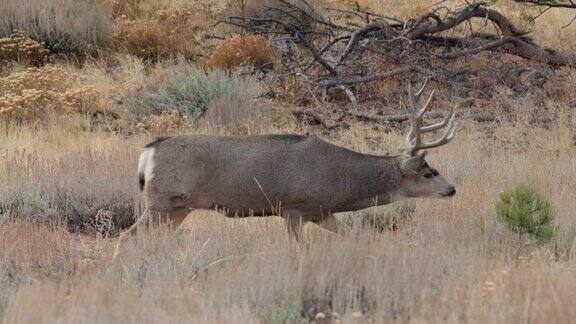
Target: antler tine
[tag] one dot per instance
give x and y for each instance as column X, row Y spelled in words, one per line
column 419, row 92
column 446, row 137
column 443, row 123
column 426, row 105
column 413, row 101
column 413, row 139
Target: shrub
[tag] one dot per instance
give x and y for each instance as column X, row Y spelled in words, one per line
column 33, row 94
column 86, row 188
column 189, row 90
column 225, row 112
column 64, row 26
column 20, row 48
column 261, row 9
column 168, row 121
column 382, row 218
column 127, row 8
column 525, row 212
column 167, row 33
column 239, row 50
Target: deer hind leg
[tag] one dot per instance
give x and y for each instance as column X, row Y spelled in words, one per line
column 155, row 210
column 131, row 230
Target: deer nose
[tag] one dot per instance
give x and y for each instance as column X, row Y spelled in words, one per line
column 451, row 193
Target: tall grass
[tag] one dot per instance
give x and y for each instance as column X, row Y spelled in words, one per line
column 65, row 26
column 74, row 185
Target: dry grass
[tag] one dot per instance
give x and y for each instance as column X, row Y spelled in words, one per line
column 65, row 26
column 60, row 173
column 453, row 262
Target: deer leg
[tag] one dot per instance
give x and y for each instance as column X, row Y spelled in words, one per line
column 174, row 218
column 333, row 225
column 294, row 224
column 131, row 230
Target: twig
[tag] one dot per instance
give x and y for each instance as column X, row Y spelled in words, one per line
column 313, row 116
column 333, row 82
column 478, row 117
column 478, row 49
column 354, row 39
column 350, row 96
column 314, row 51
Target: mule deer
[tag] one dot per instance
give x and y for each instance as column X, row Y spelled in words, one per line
column 300, row 178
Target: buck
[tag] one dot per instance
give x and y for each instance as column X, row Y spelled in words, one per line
column 302, row 179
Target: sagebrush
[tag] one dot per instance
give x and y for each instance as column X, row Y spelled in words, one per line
column 189, row 90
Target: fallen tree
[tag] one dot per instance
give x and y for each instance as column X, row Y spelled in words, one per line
column 328, row 44
column 327, row 48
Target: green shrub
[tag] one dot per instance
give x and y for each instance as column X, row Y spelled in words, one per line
column 382, row 218
column 190, row 90
column 64, row 26
column 525, row 212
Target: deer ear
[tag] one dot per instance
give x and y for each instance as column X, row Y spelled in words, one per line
column 412, row 164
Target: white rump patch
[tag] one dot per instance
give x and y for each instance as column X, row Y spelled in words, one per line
column 146, row 163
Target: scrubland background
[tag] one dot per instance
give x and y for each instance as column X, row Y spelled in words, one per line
column 85, row 84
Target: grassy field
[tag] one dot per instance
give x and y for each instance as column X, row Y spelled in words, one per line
column 72, row 128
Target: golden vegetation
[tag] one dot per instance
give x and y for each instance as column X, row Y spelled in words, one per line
column 167, row 122
column 167, row 33
column 20, row 48
column 240, row 50
column 35, row 93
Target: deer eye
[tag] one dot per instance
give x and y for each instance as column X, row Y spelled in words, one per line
column 428, row 175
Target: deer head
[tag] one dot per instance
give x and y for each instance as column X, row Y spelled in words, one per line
column 421, row 180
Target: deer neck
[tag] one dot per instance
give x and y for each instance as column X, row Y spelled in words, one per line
column 378, row 181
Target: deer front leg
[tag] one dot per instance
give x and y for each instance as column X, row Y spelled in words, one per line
column 294, row 222
column 333, row 225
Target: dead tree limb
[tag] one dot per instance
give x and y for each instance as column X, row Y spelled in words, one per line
column 306, row 27
column 345, row 55
column 550, row 3
column 329, row 82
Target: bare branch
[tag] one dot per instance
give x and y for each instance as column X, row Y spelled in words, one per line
column 354, row 38
column 550, row 3
column 317, row 56
column 350, row 96
column 333, row 82
column 479, row 48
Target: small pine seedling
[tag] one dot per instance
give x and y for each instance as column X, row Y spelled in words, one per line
column 525, row 212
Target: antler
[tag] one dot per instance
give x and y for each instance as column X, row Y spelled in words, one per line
column 414, row 140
